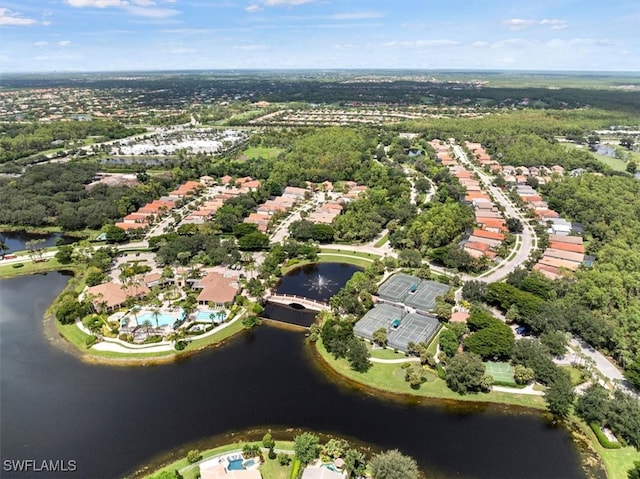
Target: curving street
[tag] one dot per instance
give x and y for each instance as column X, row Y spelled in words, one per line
column 526, row 242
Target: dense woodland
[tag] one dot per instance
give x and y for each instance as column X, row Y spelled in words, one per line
column 18, row 140
column 56, row 194
column 609, row 209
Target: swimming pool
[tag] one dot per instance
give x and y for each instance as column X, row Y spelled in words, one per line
column 218, row 316
column 235, row 465
column 164, row 319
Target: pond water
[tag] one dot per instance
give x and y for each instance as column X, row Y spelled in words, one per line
column 112, row 420
column 317, row 281
column 17, row 240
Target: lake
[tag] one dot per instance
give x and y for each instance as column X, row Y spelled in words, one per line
column 17, row 240
column 111, row 420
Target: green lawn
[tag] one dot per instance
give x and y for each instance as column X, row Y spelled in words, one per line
column 347, row 251
column 256, row 152
column 76, row 337
column 270, row 469
column 613, row 163
column 577, row 376
column 616, row 461
column 328, row 258
column 390, row 378
column 30, row 267
column 344, row 258
column 381, row 241
column 387, row 353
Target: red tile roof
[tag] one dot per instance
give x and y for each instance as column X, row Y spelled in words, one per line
column 488, row 235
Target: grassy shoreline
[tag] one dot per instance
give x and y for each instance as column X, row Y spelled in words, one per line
column 329, row 258
column 388, row 379
column 72, row 339
column 191, row 471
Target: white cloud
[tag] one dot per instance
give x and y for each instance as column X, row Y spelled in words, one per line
column 518, row 23
column 597, row 42
column 152, row 12
column 480, row 44
column 251, row 48
column 96, row 3
column 40, row 44
column 576, row 42
column 143, row 3
column 356, row 16
column 555, row 24
column 253, row 8
column 513, row 43
column 346, row 46
column 286, row 3
column 64, row 43
column 421, row 44
column 7, row 17
column 177, row 50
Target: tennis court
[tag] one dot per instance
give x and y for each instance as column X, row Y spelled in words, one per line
column 381, row 316
column 424, row 298
column 397, row 287
column 414, row 328
column 501, row 372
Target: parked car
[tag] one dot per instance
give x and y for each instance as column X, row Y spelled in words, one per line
column 523, row 331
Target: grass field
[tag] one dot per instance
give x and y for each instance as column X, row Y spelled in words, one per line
column 615, row 164
column 344, row 258
column 78, row 338
column 576, row 375
column 390, row 378
column 381, row 241
column 270, row 469
column 255, row 152
column 616, row 461
column 387, row 353
column 30, row 267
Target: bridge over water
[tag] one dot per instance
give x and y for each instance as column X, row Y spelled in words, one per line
column 289, row 299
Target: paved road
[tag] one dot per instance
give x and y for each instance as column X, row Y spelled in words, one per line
column 282, row 231
column 527, row 239
column 602, row 363
column 50, row 254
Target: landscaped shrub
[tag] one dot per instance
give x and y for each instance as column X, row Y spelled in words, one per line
column 272, row 454
column 153, row 339
column 194, row 456
column 602, row 439
column 17, row 265
column 250, row 450
column 180, row 345
column 251, row 321
column 90, row 341
column 284, row 459
column 442, row 374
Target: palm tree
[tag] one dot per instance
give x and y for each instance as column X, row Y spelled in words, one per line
column 146, row 324
column 155, row 312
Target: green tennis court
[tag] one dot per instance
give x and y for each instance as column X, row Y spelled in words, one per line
column 502, row 372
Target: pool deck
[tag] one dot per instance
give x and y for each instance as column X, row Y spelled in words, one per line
column 115, row 345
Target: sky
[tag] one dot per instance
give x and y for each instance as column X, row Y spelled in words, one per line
column 125, row 35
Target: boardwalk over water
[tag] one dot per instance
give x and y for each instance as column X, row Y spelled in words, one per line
column 289, row 299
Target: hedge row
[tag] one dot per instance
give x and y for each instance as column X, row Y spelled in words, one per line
column 602, row 439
